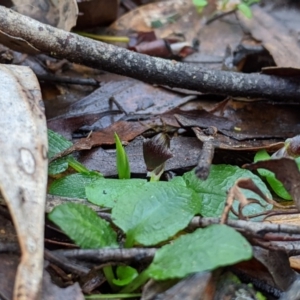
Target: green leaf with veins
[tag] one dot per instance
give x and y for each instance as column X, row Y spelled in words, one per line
column 84, row 226
column 106, row 192
column 270, row 177
column 58, row 144
column 154, row 212
column 212, row 192
column 203, row 250
column 73, row 186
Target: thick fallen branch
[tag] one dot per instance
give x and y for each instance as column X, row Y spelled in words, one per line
column 63, row 44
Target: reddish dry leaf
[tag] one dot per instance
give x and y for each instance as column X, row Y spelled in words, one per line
column 126, row 131
column 165, row 48
column 66, row 125
column 97, row 13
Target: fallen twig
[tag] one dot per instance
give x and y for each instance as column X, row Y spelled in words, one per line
column 63, row 44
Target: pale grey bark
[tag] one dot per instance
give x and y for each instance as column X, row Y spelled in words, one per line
column 78, row 49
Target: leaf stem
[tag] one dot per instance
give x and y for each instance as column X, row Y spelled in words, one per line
column 105, row 38
column 77, row 166
column 136, row 283
column 122, row 160
column 129, row 241
column 109, row 275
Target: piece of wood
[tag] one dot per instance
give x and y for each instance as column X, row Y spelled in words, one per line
column 17, row 31
column 23, row 171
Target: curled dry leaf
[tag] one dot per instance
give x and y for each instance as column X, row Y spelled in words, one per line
column 23, row 171
column 291, row 148
column 156, row 151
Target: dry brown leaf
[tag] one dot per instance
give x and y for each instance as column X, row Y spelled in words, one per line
column 274, row 36
column 97, row 12
column 61, row 14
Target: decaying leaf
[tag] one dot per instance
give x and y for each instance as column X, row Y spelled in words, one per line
column 61, row 14
column 96, row 12
column 275, row 37
column 23, row 171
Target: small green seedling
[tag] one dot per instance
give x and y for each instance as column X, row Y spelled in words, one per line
column 244, row 6
column 122, row 160
column 200, row 4
column 270, row 177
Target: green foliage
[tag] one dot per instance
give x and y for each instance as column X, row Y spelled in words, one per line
column 73, row 186
column 84, row 226
column 125, row 275
column 154, row 212
column 245, row 9
column 57, row 144
column 122, row 160
column 58, row 166
column 106, row 192
column 200, row 4
column 205, row 249
column 270, row 177
column 212, row 192
column 243, row 6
